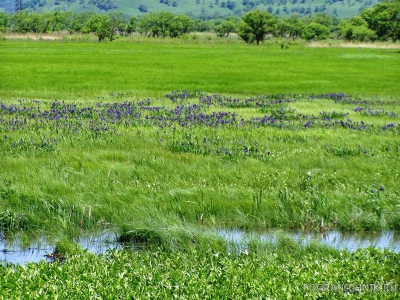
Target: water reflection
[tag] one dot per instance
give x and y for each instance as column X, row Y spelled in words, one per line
column 340, row 240
column 14, row 252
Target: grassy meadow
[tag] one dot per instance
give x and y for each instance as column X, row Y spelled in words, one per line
column 85, row 71
column 166, row 141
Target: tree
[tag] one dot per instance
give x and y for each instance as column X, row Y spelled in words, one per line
column 315, row 31
column 142, row 8
column 102, row 26
column 119, row 24
column 356, row 29
column 295, row 26
column 255, row 25
column 79, row 22
column 225, row 28
column 157, row 24
column 131, row 28
column 37, row 23
column 4, row 21
column 55, row 20
column 384, row 19
column 231, row 5
column 180, row 25
column 163, row 24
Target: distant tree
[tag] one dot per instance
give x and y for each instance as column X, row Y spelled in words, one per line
column 102, row 26
column 142, row 8
column 203, row 26
column 20, row 22
column 119, row 23
column 4, row 21
column 255, row 25
column 295, row 26
column 156, row 24
column 55, row 20
column 81, row 21
column 131, row 28
column 356, row 29
column 231, row 5
column 315, row 31
column 324, row 19
column 292, row 27
column 74, row 22
column 384, row 19
column 225, row 28
column 180, row 25
column 37, row 23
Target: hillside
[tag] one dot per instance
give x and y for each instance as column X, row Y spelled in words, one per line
column 199, row 8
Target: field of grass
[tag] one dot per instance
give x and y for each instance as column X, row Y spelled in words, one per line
column 70, row 70
column 163, row 140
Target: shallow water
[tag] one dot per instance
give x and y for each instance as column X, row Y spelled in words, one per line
column 13, row 252
column 340, row 240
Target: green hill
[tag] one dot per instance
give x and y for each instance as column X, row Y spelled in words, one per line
column 199, row 8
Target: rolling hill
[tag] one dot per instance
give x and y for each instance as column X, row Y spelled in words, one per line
column 204, row 9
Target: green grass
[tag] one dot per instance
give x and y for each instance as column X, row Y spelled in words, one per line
column 66, row 175
column 86, row 71
column 137, row 171
column 111, row 156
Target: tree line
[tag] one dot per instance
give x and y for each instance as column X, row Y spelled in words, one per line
column 381, row 22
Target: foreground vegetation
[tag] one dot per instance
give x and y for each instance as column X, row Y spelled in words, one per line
column 284, row 270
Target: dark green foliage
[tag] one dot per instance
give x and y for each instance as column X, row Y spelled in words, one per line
column 384, row 19
column 142, row 8
column 164, row 24
column 315, row 31
column 10, row 221
column 140, row 236
column 292, row 27
column 356, row 29
column 255, row 25
column 225, row 28
column 65, row 248
column 4, row 21
column 103, row 4
column 106, row 26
